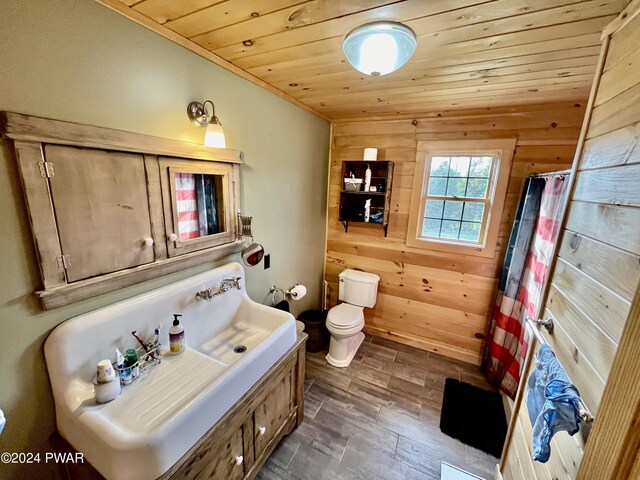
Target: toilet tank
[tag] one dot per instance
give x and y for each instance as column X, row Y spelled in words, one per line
column 358, row 288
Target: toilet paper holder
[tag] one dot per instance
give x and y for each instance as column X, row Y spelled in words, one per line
column 293, row 292
column 297, row 291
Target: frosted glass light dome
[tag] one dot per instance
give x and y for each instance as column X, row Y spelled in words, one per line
column 214, row 136
column 379, row 48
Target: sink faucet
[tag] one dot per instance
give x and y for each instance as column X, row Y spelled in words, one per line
column 225, row 285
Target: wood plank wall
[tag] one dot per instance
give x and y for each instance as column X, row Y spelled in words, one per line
column 433, row 300
column 597, row 270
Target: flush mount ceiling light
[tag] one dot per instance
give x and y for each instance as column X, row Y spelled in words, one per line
column 200, row 117
column 379, row 48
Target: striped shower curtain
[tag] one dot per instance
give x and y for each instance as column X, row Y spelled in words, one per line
column 526, row 265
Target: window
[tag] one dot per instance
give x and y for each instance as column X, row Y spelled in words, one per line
column 458, row 195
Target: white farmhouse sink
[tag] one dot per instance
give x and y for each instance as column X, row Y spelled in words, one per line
column 155, row 421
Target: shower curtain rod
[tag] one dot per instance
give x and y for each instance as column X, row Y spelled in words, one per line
column 551, row 174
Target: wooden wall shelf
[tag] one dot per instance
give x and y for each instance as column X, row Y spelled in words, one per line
column 352, row 202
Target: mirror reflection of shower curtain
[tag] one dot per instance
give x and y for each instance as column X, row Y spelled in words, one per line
column 207, row 208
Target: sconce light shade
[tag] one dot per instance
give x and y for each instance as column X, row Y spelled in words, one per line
column 214, row 135
column 379, row 48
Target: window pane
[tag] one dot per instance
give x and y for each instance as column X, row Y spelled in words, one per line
column 477, row 188
column 456, row 187
column 450, row 229
column 440, row 166
column 459, row 167
column 434, row 209
column 431, row 228
column 452, row 210
column 480, row 167
column 437, row 186
column 473, row 211
column 470, row 231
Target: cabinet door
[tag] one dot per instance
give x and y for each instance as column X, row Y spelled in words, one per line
column 219, row 460
column 271, row 415
column 101, row 209
column 228, row 463
column 200, row 204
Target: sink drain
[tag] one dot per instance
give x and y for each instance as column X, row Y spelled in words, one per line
column 240, row 349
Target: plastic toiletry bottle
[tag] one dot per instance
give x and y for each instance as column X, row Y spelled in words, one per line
column 367, row 209
column 176, row 335
column 131, row 359
column 367, row 179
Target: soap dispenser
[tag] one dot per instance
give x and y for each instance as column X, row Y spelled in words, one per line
column 176, row 335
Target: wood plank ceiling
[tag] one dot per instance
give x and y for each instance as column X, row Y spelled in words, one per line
column 471, row 53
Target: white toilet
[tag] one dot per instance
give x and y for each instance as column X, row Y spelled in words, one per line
column 346, row 320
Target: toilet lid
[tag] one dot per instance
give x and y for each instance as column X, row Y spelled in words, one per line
column 345, row 315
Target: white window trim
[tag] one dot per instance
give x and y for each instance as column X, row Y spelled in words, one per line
column 504, row 148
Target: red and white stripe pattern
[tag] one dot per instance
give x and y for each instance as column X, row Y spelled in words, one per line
column 187, row 207
column 541, row 254
column 508, row 343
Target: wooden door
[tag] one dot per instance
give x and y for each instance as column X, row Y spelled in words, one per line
column 226, row 464
column 271, row 415
column 101, row 209
column 595, row 274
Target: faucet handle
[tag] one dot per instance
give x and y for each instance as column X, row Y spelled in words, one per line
column 203, row 295
column 235, row 281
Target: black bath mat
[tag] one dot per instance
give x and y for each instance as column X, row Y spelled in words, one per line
column 474, row 416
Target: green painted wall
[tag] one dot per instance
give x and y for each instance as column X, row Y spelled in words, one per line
column 75, row 60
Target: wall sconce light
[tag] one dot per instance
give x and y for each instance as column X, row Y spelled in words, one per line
column 200, row 117
column 379, row 48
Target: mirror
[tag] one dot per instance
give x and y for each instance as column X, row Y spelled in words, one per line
column 199, row 198
column 252, row 254
column 200, row 205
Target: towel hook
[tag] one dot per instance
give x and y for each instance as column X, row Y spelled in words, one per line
column 547, row 323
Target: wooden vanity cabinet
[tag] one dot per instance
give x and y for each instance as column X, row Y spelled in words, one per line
column 237, row 446
column 266, row 413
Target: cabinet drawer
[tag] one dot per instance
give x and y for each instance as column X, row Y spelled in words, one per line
column 271, row 415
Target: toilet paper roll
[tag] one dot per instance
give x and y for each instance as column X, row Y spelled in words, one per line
column 370, row 154
column 298, row 291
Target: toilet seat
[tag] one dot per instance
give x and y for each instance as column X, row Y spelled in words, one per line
column 345, row 316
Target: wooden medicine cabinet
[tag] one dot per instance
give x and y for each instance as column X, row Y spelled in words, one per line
column 109, row 209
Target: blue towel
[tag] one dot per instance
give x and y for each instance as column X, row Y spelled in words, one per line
column 552, row 401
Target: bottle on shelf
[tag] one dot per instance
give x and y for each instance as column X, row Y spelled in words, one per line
column 367, row 179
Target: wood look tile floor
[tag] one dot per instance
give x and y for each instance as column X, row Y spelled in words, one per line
column 376, row 419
